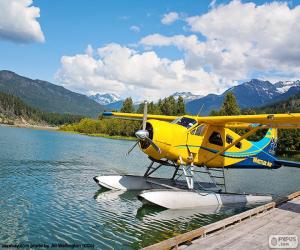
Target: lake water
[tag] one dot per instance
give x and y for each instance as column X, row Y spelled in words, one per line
column 48, row 195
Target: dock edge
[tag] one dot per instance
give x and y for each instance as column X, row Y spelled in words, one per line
column 219, row 225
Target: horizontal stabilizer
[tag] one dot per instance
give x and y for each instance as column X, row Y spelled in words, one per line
column 288, row 163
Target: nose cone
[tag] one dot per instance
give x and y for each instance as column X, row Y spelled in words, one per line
column 142, row 134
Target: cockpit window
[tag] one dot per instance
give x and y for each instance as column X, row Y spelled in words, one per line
column 199, row 130
column 185, row 122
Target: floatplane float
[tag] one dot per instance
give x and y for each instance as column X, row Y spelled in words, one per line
column 194, row 146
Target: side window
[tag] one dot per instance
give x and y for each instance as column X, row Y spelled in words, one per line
column 199, row 130
column 216, row 138
column 229, row 139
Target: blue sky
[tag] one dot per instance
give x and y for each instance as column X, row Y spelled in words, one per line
column 70, row 26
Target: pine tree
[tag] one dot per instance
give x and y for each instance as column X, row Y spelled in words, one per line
column 153, row 108
column 140, row 109
column 168, row 106
column 172, row 104
column 230, row 106
column 160, row 106
column 180, row 106
column 127, row 106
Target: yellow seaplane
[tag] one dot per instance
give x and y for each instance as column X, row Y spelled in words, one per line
column 195, row 146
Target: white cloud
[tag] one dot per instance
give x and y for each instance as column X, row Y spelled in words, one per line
column 170, row 18
column 18, row 21
column 135, row 28
column 127, row 72
column 240, row 39
column 250, row 37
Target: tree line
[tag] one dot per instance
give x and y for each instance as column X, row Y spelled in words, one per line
column 166, row 106
column 118, row 127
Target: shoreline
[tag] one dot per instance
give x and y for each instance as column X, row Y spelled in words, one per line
column 113, row 137
column 53, row 128
column 38, row 127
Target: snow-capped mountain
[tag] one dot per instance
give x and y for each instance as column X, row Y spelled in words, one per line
column 187, row 96
column 284, row 86
column 254, row 93
column 105, row 99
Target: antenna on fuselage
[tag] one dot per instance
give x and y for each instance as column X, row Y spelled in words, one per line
column 200, row 110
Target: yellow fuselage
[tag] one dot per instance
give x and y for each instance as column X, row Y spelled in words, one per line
column 178, row 142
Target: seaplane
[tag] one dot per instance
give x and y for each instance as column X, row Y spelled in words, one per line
column 197, row 146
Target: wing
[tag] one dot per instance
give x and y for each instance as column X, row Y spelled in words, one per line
column 132, row 116
column 240, row 121
column 247, row 121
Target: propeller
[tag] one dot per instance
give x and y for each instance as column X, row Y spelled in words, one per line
column 132, row 147
column 143, row 134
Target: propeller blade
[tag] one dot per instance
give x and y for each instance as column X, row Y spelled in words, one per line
column 145, row 115
column 129, row 151
column 157, row 149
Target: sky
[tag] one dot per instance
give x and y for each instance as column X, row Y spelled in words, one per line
column 150, row 49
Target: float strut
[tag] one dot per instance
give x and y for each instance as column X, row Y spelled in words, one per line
column 175, row 172
column 150, row 170
column 189, row 173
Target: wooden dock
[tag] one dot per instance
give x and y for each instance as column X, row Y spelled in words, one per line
column 248, row 230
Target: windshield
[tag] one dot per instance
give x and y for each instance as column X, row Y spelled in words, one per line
column 185, row 122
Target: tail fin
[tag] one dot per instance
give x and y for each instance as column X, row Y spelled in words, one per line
column 272, row 145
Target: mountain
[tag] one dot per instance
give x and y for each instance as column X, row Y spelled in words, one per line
column 108, row 100
column 105, row 99
column 254, row 93
column 291, row 105
column 283, row 87
column 187, row 96
column 114, row 105
column 14, row 111
column 47, row 96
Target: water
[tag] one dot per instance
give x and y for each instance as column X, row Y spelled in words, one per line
column 47, row 194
